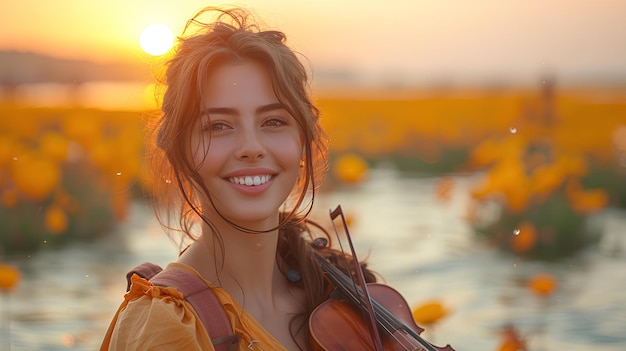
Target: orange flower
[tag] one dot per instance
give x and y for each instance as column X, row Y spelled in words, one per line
column 54, row 146
column 36, row 176
column 103, row 153
column 509, row 179
column 66, row 201
column 511, row 340
column 83, row 128
column 591, row 201
column 543, row 284
column 9, row 277
column 517, row 197
column 8, row 149
column 586, row 201
column 524, row 237
column 56, row 219
column 429, row 312
column 490, row 151
column 545, row 179
column 485, row 153
column 572, row 165
column 9, row 197
column 483, row 188
column 351, row 168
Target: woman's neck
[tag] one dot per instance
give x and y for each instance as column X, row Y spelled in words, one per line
column 250, row 261
column 245, row 266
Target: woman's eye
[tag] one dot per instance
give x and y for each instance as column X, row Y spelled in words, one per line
column 217, row 127
column 275, row 122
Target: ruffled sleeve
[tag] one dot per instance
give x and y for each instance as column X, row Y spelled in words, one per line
column 155, row 318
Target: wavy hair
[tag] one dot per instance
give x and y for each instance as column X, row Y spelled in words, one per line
column 231, row 36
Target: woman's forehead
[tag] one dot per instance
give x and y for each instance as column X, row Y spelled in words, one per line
column 237, row 83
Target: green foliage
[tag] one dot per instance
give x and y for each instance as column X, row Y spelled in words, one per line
column 446, row 161
column 611, row 178
column 558, row 231
column 23, row 227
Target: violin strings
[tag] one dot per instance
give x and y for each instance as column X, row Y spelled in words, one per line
column 389, row 322
column 361, row 279
column 364, row 300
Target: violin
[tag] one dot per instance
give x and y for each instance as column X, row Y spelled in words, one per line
column 362, row 316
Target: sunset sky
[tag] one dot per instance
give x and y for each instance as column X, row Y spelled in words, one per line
column 391, row 39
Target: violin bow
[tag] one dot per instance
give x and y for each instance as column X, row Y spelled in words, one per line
column 371, row 317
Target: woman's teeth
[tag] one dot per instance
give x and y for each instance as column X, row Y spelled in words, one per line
column 250, row 180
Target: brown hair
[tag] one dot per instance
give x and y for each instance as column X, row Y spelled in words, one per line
column 231, row 36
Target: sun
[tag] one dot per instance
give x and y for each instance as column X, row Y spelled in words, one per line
column 156, row 39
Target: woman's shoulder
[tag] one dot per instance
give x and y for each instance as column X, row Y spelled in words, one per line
column 154, row 318
column 249, row 330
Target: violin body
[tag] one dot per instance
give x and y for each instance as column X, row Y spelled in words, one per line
column 337, row 325
column 363, row 316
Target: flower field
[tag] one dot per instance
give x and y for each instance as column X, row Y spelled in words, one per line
column 69, row 173
column 65, row 174
column 549, row 159
column 545, row 163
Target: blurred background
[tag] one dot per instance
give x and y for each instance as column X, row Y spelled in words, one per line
column 478, row 149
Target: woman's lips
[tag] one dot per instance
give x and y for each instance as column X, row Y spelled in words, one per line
column 254, row 180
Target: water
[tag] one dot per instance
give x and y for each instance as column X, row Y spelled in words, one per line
column 420, row 245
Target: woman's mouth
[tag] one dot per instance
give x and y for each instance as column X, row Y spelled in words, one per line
column 250, row 180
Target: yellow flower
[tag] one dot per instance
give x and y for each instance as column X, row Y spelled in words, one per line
column 429, row 312
column 9, row 276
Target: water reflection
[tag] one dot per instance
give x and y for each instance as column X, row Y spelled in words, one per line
column 420, row 245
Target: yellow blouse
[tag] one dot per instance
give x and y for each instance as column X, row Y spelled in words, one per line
column 159, row 318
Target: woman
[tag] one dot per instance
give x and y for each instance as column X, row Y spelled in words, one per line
column 238, row 153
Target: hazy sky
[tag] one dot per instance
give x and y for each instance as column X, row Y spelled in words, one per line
column 422, row 39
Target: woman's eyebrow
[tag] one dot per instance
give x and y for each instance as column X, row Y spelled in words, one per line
column 270, row 107
column 219, row 111
column 233, row 111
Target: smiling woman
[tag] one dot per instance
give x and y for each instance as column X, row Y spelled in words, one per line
column 156, row 39
column 239, row 135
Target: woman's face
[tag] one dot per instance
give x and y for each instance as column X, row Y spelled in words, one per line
column 247, row 146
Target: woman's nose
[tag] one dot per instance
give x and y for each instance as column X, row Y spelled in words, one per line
column 250, row 146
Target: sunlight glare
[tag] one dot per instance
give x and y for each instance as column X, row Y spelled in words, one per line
column 156, row 39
